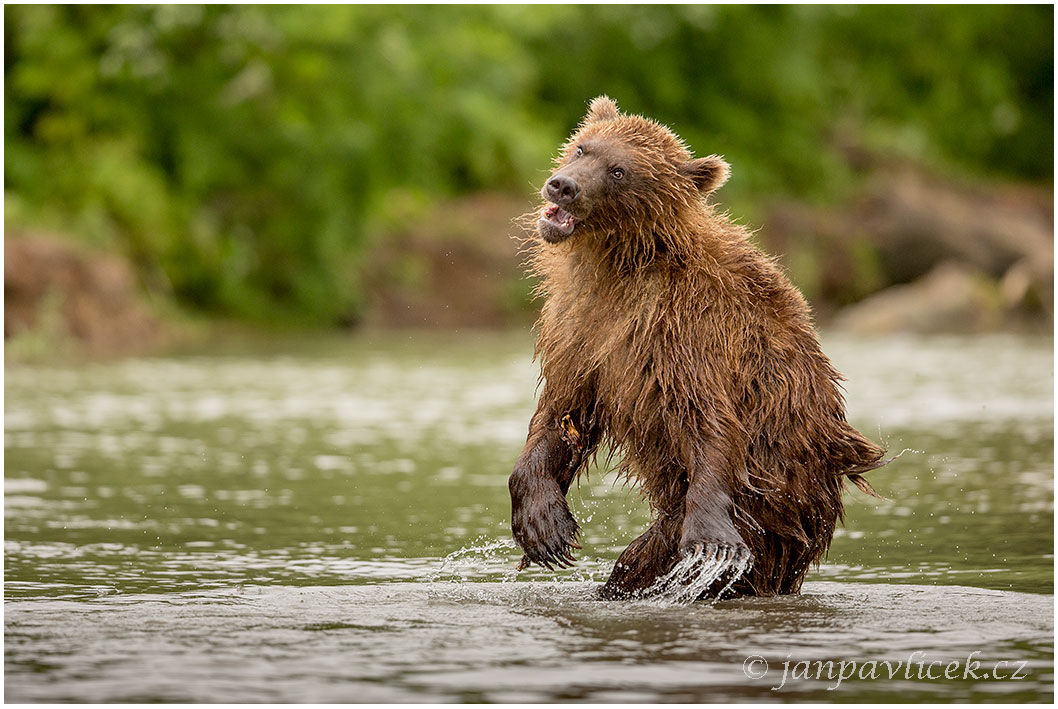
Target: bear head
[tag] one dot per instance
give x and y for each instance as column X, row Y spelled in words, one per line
column 620, row 173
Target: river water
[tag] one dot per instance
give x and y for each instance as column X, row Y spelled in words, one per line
column 328, row 520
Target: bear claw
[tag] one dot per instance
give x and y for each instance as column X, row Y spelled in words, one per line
column 563, row 559
column 718, row 551
column 543, row 527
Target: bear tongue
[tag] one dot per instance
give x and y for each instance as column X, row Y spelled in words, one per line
column 560, row 218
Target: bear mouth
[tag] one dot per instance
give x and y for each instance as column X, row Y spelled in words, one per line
column 556, row 224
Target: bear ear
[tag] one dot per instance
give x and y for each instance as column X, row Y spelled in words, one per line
column 708, row 173
column 601, row 108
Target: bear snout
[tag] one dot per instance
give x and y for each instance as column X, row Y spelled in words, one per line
column 561, row 189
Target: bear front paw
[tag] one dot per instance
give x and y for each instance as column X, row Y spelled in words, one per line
column 711, row 536
column 544, row 527
column 733, row 554
column 702, row 569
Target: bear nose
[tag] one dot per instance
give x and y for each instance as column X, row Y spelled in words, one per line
column 562, row 189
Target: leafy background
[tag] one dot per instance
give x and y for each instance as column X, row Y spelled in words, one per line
column 248, row 160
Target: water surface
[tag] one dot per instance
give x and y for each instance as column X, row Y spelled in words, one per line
column 282, row 521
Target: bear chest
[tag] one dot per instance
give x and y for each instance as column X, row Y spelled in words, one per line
column 608, row 349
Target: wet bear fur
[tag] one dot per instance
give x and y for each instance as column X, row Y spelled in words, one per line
column 670, row 338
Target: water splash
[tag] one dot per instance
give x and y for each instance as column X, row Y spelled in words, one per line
column 481, row 557
column 901, row 453
column 696, row 573
column 739, row 567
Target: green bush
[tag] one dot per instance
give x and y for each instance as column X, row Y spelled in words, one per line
column 243, row 157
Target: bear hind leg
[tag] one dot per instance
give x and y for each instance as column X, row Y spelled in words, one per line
column 649, row 557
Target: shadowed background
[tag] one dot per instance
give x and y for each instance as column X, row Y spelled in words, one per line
column 332, row 167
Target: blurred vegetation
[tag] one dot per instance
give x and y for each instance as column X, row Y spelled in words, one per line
column 245, row 157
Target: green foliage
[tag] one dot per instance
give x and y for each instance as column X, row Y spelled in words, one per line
column 244, row 156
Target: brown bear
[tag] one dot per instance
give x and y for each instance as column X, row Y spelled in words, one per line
column 669, row 336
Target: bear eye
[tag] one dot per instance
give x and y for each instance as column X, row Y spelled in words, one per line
column 617, row 173
column 579, row 152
